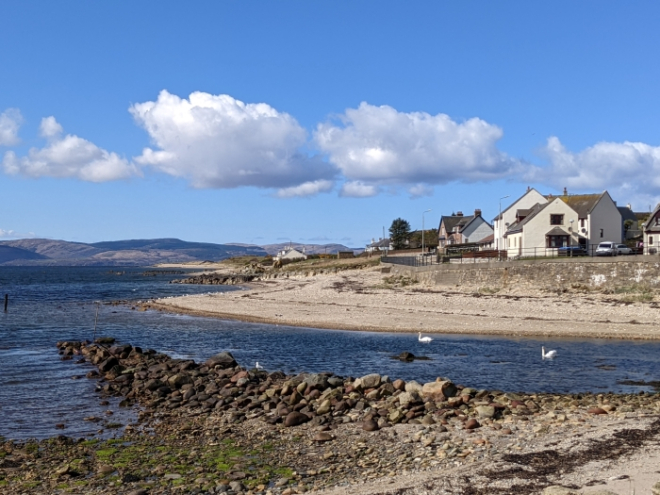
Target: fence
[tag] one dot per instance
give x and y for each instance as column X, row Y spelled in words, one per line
column 509, row 255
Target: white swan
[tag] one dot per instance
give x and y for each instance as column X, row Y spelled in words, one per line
column 426, row 340
column 258, row 366
column 547, row 355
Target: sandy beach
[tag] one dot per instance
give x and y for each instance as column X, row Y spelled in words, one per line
column 370, row 300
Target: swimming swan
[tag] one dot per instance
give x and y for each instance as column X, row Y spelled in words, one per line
column 426, row 340
column 547, row 355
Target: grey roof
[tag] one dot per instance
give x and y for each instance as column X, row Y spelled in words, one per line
column 583, row 204
column 650, row 225
column 557, row 231
column 381, row 243
column 452, row 221
column 518, row 226
column 627, row 214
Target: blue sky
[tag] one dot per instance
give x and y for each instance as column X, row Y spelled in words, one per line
column 319, row 122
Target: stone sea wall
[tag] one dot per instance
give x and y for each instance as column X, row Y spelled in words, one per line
column 584, row 273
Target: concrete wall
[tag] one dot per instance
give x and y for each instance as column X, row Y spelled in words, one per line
column 557, row 274
column 604, row 216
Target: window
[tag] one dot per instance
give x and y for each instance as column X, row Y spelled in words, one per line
column 601, row 233
column 657, row 220
column 556, row 219
column 556, row 241
column 582, row 222
column 650, row 240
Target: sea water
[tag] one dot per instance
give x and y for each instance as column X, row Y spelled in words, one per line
column 39, row 391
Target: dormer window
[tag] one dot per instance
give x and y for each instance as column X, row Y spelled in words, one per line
column 556, row 219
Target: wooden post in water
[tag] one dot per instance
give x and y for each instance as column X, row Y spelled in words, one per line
column 6, row 301
column 96, row 318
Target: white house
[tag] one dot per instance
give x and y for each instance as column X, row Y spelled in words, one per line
column 378, row 245
column 651, row 230
column 541, row 229
column 291, row 254
column 508, row 217
column 460, row 229
column 599, row 219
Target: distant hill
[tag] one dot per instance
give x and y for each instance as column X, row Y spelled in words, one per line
column 272, row 249
column 138, row 252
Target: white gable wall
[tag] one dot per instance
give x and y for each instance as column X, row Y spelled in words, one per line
column 529, row 199
column 605, row 216
column 477, row 230
column 534, row 232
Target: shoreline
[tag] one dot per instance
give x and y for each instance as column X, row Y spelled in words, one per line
column 363, row 300
column 217, row 428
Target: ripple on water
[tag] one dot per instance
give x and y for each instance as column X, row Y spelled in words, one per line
column 54, row 304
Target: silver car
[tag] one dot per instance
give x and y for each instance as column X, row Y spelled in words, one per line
column 606, row 249
column 623, row 249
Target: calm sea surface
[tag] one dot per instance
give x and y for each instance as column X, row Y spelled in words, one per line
column 38, row 390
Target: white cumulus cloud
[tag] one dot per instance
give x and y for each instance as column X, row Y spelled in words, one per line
column 50, row 127
column 216, row 141
column 311, row 188
column 68, row 156
column 357, row 189
column 420, row 191
column 380, row 145
column 629, row 169
column 10, row 121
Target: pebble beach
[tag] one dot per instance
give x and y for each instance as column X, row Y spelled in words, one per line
column 215, row 427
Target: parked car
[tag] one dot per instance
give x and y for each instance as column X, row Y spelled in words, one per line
column 606, row 249
column 623, row 249
column 571, row 251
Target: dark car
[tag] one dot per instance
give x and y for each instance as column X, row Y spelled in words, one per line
column 572, row 251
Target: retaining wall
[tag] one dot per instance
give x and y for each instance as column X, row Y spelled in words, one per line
column 556, row 274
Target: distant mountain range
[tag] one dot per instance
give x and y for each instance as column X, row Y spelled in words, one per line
column 139, row 252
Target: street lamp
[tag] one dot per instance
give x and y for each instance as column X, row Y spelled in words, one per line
column 423, row 231
column 499, row 224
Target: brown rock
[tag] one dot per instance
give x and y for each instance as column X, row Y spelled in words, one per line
column 370, row 425
column 596, row 410
column 295, row 418
column 322, row 436
column 471, row 424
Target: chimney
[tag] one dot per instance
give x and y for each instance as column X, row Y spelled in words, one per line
column 459, row 213
column 629, row 206
column 477, row 212
column 565, row 192
column 529, row 188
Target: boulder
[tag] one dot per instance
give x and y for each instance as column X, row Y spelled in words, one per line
column 108, row 364
column 317, row 381
column 413, row 386
column 322, row 436
column 471, row 424
column 324, row 408
column 406, row 357
column 223, row 360
column 408, row 398
column 370, row 381
column 370, row 425
column 179, row 379
column 439, row 389
column 485, row 411
column 295, row 418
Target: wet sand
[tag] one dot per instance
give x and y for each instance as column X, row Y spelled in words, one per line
column 369, row 300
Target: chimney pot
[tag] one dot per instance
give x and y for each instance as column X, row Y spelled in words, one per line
column 459, row 213
column 565, row 192
column 477, row 212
